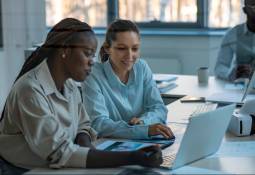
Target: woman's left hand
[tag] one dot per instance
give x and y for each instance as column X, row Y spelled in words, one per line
column 135, row 121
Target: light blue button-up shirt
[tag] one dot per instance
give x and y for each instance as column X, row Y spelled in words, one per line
column 112, row 104
column 238, row 47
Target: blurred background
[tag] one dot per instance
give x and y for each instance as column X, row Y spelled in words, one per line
column 178, row 36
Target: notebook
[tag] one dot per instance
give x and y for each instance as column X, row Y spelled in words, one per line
column 159, row 78
column 234, row 97
column 166, row 86
column 202, row 137
column 165, row 82
column 112, row 145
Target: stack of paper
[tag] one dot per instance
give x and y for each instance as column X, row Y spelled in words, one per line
column 165, row 82
column 164, row 77
column 166, row 86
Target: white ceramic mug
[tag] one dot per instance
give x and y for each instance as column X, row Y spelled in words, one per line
column 203, row 75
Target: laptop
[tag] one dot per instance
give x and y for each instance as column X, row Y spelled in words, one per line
column 234, row 97
column 202, row 137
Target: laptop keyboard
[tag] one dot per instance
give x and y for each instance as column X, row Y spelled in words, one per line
column 205, row 107
column 168, row 160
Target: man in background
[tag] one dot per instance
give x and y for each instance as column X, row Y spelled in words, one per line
column 236, row 58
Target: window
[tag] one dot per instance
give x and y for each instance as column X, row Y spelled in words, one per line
column 94, row 12
column 149, row 13
column 159, row 10
column 225, row 13
column 158, row 13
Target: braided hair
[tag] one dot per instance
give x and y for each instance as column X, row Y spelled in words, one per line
column 62, row 35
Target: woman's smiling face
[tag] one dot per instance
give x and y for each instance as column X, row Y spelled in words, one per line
column 124, row 51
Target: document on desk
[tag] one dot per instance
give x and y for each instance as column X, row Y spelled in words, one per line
column 236, row 149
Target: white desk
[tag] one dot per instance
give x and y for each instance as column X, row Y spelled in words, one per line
column 216, row 90
column 242, row 163
column 188, row 85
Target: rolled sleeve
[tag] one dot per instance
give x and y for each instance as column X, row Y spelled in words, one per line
column 120, row 129
column 90, row 132
column 78, row 159
column 84, row 124
column 142, row 132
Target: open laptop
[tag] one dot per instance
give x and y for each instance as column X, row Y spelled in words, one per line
column 234, row 97
column 202, row 137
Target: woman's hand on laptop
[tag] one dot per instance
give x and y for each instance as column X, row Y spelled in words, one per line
column 160, row 129
column 150, row 156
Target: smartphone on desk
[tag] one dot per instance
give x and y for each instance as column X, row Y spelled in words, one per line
column 191, row 99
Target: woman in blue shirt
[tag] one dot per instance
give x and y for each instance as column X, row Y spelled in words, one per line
column 121, row 97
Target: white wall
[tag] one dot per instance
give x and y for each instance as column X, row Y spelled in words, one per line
column 190, row 52
column 23, row 25
column 2, row 80
column 179, row 54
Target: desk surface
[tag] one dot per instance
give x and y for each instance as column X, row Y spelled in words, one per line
column 233, row 156
column 188, row 85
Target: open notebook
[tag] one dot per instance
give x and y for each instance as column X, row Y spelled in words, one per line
column 111, row 145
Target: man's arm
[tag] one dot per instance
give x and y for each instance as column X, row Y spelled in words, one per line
column 223, row 68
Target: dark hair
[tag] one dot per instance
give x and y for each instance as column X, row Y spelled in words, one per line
column 62, row 35
column 115, row 27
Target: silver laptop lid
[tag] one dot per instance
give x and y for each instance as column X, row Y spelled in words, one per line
column 229, row 97
column 249, row 87
column 203, row 135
